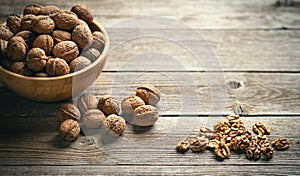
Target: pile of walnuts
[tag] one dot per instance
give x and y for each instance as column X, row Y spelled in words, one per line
column 104, row 114
column 46, row 41
column 233, row 135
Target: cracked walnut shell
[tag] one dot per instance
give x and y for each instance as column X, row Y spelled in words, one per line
column 66, row 50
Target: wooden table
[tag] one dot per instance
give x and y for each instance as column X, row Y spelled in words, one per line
column 248, row 65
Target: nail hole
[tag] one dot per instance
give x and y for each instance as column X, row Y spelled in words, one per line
column 234, row 84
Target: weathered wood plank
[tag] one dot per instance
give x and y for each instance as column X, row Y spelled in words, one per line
column 233, row 14
column 189, row 50
column 186, row 93
column 31, row 145
column 204, row 169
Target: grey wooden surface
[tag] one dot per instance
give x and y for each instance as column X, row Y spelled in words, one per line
column 256, row 46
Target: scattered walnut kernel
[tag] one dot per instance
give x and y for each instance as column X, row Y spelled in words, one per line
column 83, row 12
column 93, row 118
column 57, row 67
column 182, row 146
column 66, row 50
column 267, row 152
column 281, row 144
column 198, row 144
column 222, row 150
column 261, row 129
column 69, row 129
column 67, row 111
column 114, row 125
column 14, row 22
column 109, row 105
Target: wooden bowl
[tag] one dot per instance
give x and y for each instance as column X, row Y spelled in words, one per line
column 49, row 89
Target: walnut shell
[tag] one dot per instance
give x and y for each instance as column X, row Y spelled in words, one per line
column 129, row 104
column 114, row 125
column 48, row 10
column 98, row 44
column 109, row 105
column 93, row 118
column 16, row 48
column 36, row 59
column 43, row 24
column 69, row 130
column 3, row 47
column 45, row 42
column 87, row 102
column 67, row 111
column 82, row 35
column 14, row 22
column 32, row 9
column 66, row 50
column 60, row 35
column 83, row 12
column 57, row 67
column 20, row 68
column 145, row 115
column 79, row 63
column 28, row 37
column 149, row 93
column 99, row 35
column 66, row 20
column 5, row 33
column 26, row 22
column 92, row 54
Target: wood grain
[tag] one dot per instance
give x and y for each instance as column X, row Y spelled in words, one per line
column 234, row 14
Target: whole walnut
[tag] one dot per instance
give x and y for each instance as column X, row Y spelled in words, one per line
column 20, row 68
column 14, row 22
column 98, row 44
column 36, row 59
column 82, row 35
column 67, row 111
column 149, row 93
column 83, row 12
column 81, row 22
column 69, row 130
column 109, row 105
column 66, row 20
column 145, row 115
column 5, row 33
column 99, row 35
column 91, row 53
column 3, row 46
column 66, row 50
column 43, row 25
column 32, row 9
column 93, row 118
column 16, row 48
column 26, row 22
column 114, row 125
column 60, row 35
column 57, row 67
column 28, row 37
column 48, row 10
column 45, row 42
column 87, row 102
column 79, row 63
column 129, row 104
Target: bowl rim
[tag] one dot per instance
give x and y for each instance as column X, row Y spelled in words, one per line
column 70, row 75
